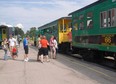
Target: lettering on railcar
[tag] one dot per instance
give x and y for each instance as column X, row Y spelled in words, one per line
column 108, row 39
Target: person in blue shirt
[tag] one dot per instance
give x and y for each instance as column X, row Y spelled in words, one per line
column 26, row 49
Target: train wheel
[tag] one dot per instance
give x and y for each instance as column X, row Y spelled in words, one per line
column 74, row 50
column 90, row 56
column 115, row 59
column 98, row 58
column 87, row 55
column 60, row 48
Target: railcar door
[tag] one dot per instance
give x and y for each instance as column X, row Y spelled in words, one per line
column 0, row 38
column 4, row 35
column 0, row 34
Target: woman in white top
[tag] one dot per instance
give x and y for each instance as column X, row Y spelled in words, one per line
column 11, row 43
column 55, row 47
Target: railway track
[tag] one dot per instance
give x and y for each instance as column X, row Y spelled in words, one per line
column 108, row 62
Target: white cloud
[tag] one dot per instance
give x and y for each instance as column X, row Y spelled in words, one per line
column 19, row 26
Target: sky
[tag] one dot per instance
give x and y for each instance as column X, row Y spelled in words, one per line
column 35, row 13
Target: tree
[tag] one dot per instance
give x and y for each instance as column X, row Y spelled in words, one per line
column 19, row 31
column 31, row 32
column 27, row 33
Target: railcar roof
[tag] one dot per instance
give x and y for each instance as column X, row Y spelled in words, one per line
column 1, row 26
column 88, row 6
column 51, row 23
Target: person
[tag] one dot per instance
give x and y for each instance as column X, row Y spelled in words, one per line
column 55, row 47
column 39, row 47
column 70, row 37
column 11, row 43
column 35, row 43
column 19, row 40
column 38, row 39
column 14, row 52
column 5, row 48
column 51, row 46
column 44, row 49
column 16, row 44
column 26, row 49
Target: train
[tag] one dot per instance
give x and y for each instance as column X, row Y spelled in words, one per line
column 93, row 30
column 5, row 31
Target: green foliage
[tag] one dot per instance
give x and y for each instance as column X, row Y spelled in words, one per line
column 31, row 32
column 19, row 31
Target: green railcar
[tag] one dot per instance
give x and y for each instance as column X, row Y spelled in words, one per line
column 58, row 28
column 5, row 31
column 49, row 29
column 94, row 30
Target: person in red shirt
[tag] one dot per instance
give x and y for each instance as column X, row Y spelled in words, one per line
column 44, row 49
column 70, row 38
column 14, row 52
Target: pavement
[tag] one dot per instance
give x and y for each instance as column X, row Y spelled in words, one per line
column 19, row 72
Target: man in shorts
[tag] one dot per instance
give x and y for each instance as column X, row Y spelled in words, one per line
column 44, row 49
column 26, row 49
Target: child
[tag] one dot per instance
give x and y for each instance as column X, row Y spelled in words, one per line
column 14, row 52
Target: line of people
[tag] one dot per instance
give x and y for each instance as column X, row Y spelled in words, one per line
column 43, row 44
column 11, row 45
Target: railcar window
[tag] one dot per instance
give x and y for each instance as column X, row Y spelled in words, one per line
column 75, row 20
column 109, row 18
column 81, row 17
column 112, row 17
column 81, row 25
column 69, row 25
column 63, row 28
column 4, row 32
column 89, row 15
column 89, row 20
column 47, row 30
column 75, row 26
column 89, row 23
column 103, row 18
column 55, row 29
